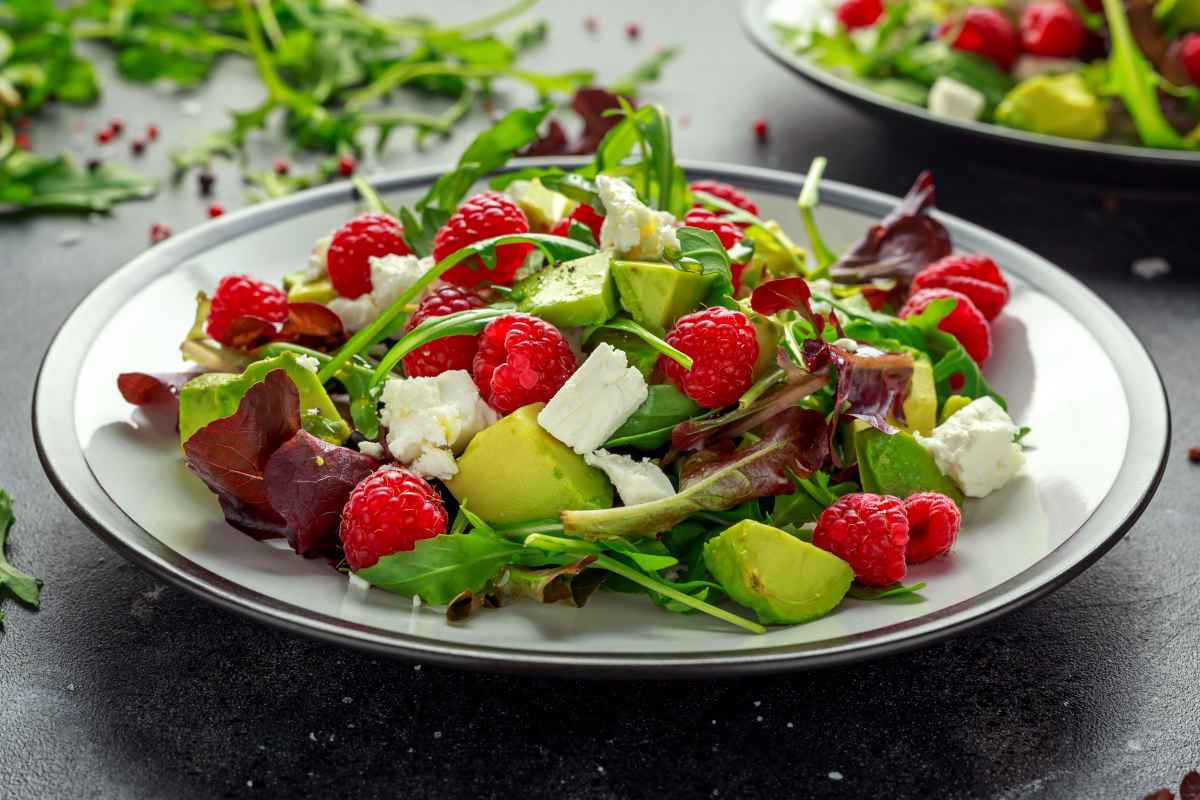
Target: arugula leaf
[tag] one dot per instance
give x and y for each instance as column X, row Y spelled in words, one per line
column 899, row 591
column 440, row 568
column 20, row 585
column 702, row 247
column 927, row 62
column 807, row 201
column 650, row 426
column 31, row 182
column 630, row 326
column 1019, row 436
column 460, row 323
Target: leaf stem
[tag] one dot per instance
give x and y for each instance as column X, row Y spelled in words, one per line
column 806, row 202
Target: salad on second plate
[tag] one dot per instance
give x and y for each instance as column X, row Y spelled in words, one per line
column 1117, row 71
column 603, row 378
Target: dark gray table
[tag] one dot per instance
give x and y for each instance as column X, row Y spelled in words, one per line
column 120, row 687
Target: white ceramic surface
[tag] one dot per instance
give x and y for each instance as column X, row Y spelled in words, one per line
column 1056, row 374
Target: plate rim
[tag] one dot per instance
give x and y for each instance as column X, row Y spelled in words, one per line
column 63, row 460
column 755, row 24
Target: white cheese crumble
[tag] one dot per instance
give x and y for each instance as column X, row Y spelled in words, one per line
column 595, row 401
column 429, row 419
column 1027, row 66
column 635, row 481
column 372, row 449
column 309, row 363
column 318, row 260
column 849, row 345
column 955, row 100
column 631, row 228
column 391, row 275
column 975, row 447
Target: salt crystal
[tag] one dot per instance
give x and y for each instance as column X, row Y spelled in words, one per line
column 835, row 776
column 312, row 736
column 1150, row 268
column 347, row 700
column 437, row 734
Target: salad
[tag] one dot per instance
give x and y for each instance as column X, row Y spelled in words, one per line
column 1116, row 71
column 606, row 378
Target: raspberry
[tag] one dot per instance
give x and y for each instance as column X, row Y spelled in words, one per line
column 452, row 352
column 521, row 360
column 933, row 521
column 975, row 276
column 388, row 512
column 723, row 346
column 355, row 243
column 482, row 217
column 727, row 232
column 240, row 296
column 985, row 32
column 859, row 13
column 1188, row 50
column 727, row 193
column 869, row 532
column 582, row 213
column 965, row 323
column 1052, row 28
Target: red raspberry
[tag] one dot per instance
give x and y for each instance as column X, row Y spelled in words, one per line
column 933, row 521
column 451, row 352
column 985, row 32
column 729, row 194
column 723, row 347
column 1188, row 50
column 388, row 512
column 859, row 13
column 585, row 214
column 482, row 217
column 869, row 532
column 965, row 323
column 240, row 296
column 521, row 360
column 1052, row 28
column 976, row 276
column 727, row 232
column 355, row 243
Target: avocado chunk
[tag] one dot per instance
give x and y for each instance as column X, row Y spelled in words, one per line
column 954, row 403
column 516, row 472
column 920, row 406
column 768, row 345
column 1056, row 105
column 543, row 207
column 318, row 291
column 784, row 580
column 898, row 465
column 657, row 294
column 572, row 294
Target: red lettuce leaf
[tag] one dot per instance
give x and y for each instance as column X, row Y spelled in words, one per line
column 590, row 103
column 154, row 389
column 309, row 324
column 779, row 294
column 308, row 482
column 900, row 245
column 551, row 143
column 230, row 455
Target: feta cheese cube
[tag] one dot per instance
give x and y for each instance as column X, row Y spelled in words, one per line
column 955, row 100
column 635, row 481
column 391, row 275
column 595, row 401
column 372, row 449
column 975, row 447
column 1027, row 66
column 430, row 419
column 632, row 229
column 318, row 259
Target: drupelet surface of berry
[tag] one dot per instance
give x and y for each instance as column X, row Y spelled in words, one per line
column 965, row 323
column 450, row 352
column 730, row 194
column 976, row 276
column 521, row 360
column 870, row 533
column 480, row 217
column 584, row 214
column 388, row 512
column 933, row 523
column 239, row 296
column 726, row 231
column 367, row 236
column 723, row 346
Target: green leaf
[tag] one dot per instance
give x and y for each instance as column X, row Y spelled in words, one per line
column 460, row 323
column 702, row 247
column 927, row 62
column 807, row 201
column 439, row 568
column 28, row 181
column 21, row 585
column 628, row 325
column 897, row 591
column 741, row 216
column 650, row 426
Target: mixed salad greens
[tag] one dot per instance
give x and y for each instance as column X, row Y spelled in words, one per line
column 604, row 377
column 1117, row 71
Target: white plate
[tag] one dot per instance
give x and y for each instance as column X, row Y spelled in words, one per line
column 1068, row 365
column 759, row 16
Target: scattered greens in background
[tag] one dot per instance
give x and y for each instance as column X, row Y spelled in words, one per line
column 20, row 585
column 338, row 80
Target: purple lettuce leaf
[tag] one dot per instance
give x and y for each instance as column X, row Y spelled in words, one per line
column 782, row 294
column 154, row 389
column 308, row 481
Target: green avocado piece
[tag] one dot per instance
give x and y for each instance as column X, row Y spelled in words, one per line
column 572, row 294
column 784, row 580
column 768, row 344
column 898, row 465
column 216, row 395
column 954, row 403
column 516, row 472
column 920, row 406
column 318, row 291
column 543, row 207
column 657, row 294
column 1056, row 105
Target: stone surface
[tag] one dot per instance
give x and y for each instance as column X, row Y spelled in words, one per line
column 120, row 687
